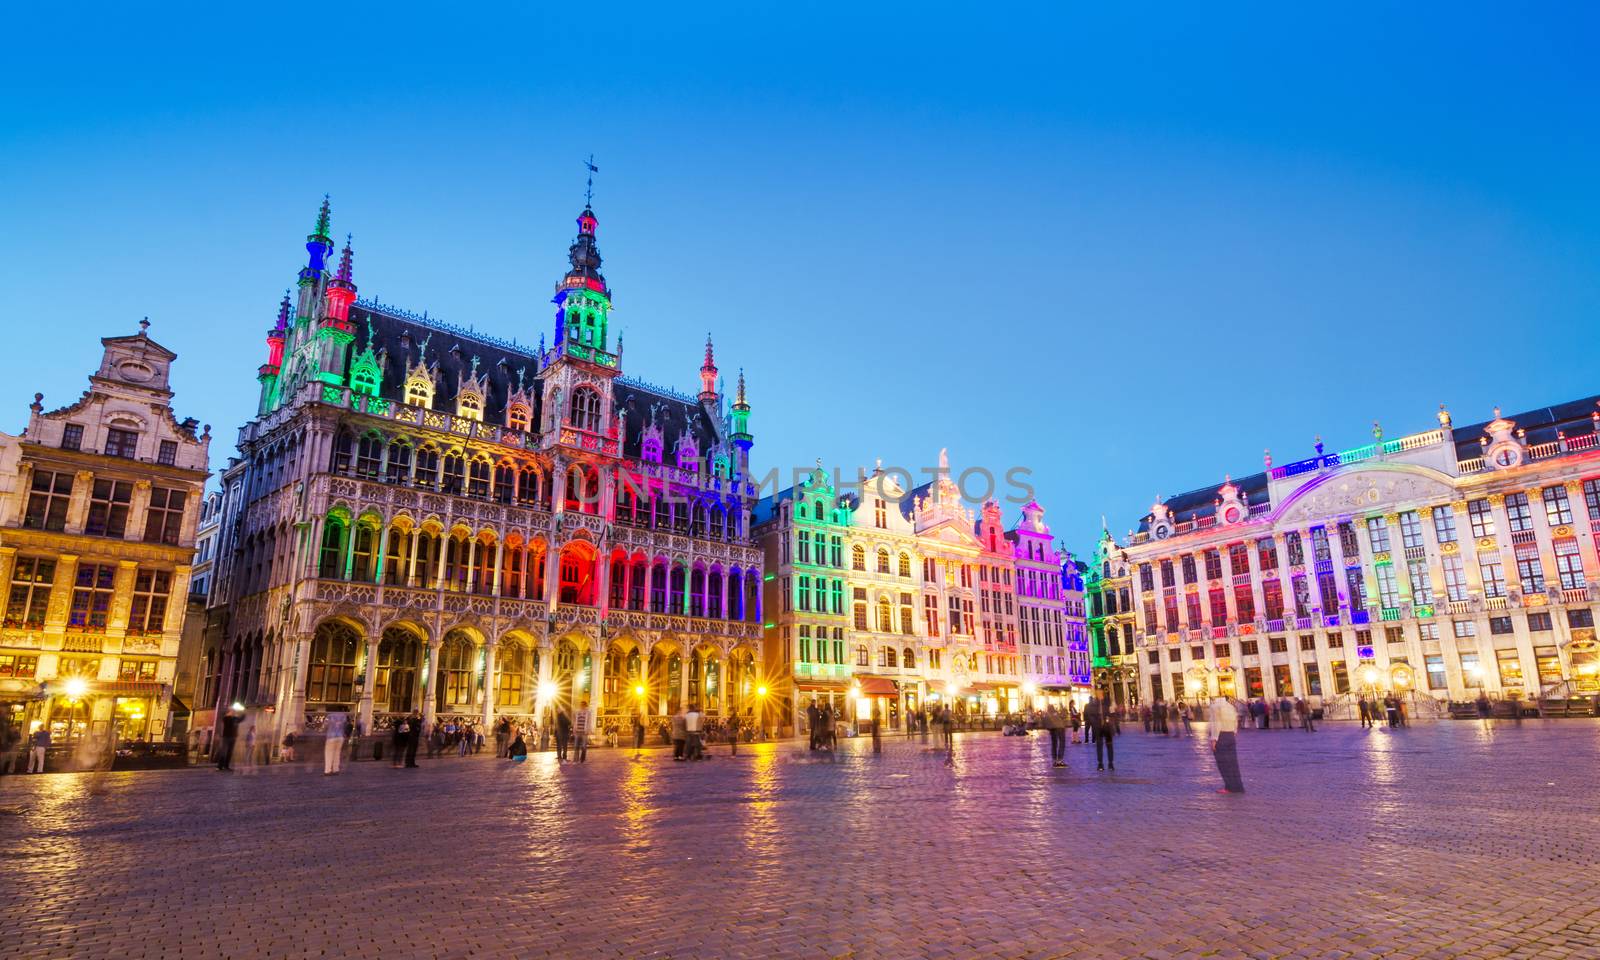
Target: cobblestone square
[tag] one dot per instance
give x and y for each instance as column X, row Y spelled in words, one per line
column 1441, row 840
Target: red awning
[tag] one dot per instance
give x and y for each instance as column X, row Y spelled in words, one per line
column 877, row 687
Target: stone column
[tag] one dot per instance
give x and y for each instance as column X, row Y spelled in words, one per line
column 138, row 510
column 597, row 680
column 489, row 681
column 411, row 563
column 432, row 682
column 78, row 501
column 383, row 555
column 472, row 563
column 369, row 677
column 602, row 575
column 444, row 547
column 297, row 695
column 499, row 563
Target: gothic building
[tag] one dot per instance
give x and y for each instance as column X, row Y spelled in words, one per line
column 426, row 518
column 99, row 502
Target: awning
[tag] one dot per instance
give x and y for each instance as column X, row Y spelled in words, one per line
column 112, row 688
column 979, row 688
column 877, row 687
column 179, row 708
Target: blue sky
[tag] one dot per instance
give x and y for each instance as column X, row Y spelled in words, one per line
column 1126, row 247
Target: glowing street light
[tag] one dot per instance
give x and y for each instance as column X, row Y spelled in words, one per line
column 638, row 690
column 77, row 687
column 547, row 689
column 761, row 691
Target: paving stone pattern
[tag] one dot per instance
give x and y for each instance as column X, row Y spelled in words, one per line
column 1442, row 840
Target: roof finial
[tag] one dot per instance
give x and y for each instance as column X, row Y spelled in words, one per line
column 324, row 219
column 144, row 326
column 710, row 364
column 588, row 191
column 284, row 306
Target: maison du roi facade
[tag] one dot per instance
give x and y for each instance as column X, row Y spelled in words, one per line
column 423, row 518
column 1434, row 566
column 99, row 502
column 890, row 600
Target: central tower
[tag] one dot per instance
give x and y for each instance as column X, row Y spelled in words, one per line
column 578, row 368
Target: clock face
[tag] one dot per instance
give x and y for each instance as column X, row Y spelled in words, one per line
column 1232, row 516
column 1506, row 457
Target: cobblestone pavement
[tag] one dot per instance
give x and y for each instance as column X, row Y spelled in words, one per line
column 1442, row 840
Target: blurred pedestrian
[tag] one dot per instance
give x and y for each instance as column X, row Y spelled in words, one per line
column 693, row 723
column 1073, row 718
column 413, row 737
column 563, row 733
column 813, row 725
column 638, row 735
column 1224, row 723
column 230, row 735
column 398, row 741
column 39, row 745
column 1056, row 724
column 580, row 731
column 1105, row 733
column 333, row 746
column 680, row 736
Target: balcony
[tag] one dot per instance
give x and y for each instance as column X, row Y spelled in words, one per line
column 1575, row 595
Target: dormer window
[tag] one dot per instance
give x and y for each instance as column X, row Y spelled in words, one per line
column 419, row 392
column 518, row 417
column 470, row 406
column 650, row 448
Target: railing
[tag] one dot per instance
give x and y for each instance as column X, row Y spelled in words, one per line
column 1521, row 537
column 1389, row 613
column 1586, row 442
column 1575, row 595
column 1416, row 553
column 1473, row 465
column 1544, row 451
column 1494, row 603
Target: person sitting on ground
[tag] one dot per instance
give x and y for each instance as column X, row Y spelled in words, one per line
column 518, row 750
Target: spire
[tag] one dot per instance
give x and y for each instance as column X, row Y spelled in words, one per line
column 738, row 398
column 344, row 263
column 318, row 246
column 342, row 290
column 283, row 312
column 324, row 220
column 708, row 377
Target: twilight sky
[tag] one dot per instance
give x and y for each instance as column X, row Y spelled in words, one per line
column 1125, row 247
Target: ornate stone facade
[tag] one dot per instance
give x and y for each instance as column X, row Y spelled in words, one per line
column 444, row 522
column 99, row 502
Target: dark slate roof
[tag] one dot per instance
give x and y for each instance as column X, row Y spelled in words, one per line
column 498, row 362
column 908, row 503
column 1572, row 418
column 767, row 507
column 1203, row 502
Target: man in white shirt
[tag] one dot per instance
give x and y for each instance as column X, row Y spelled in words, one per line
column 691, row 726
column 1224, row 723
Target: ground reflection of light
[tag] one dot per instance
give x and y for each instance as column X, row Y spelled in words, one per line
column 637, row 790
column 762, row 832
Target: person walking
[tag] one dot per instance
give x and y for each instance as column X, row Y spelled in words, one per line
column 413, row 738
column 230, row 736
column 733, row 733
column 1224, row 723
column 333, row 745
column 1303, row 709
column 693, row 721
column 1105, row 733
column 563, row 733
column 502, row 737
column 1091, row 719
column 813, row 728
column 638, row 736
column 1057, row 725
column 580, row 731
column 38, row 746
column 1185, row 714
column 398, row 741
column 1073, row 718
column 1365, row 711
column 680, row 736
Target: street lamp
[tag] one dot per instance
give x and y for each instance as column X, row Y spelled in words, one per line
column 76, row 687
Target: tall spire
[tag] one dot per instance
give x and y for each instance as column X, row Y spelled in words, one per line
column 283, row 312
column 318, row 246
column 740, row 422
column 708, row 377
column 342, row 290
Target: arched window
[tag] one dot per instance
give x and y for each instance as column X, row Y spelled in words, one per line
column 858, row 558
column 885, row 615
column 714, row 594
column 863, row 658
column 419, row 392
column 503, row 481
column 369, row 455
column 332, row 675
column 905, row 564
column 883, row 560
column 518, row 417
column 697, row 520
column 511, row 671
column 455, row 472
column 577, row 574
column 585, row 410
column 908, row 658
column 399, row 461
column 395, row 679
column 470, row 406
column 820, row 513
column 456, row 668
column 528, row 486
column 427, row 470
column 330, row 563
column 478, row 477
column 890, row 656
column 344, row 451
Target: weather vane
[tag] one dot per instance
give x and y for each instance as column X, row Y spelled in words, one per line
column 588, row 193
